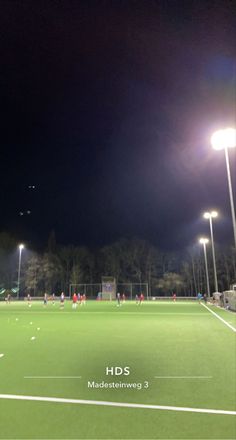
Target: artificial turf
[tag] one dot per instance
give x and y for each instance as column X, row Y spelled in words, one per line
column 73, row 347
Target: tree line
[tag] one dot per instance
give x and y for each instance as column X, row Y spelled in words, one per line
column 133, row 260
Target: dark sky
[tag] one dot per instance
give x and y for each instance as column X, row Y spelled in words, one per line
column 107, row 107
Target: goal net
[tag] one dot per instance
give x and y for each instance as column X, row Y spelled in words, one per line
column 108, row 288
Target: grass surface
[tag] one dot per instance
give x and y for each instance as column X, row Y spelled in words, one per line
column 155, row 339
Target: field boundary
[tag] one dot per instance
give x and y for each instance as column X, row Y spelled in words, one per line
column 219, row 317
column 115, row 404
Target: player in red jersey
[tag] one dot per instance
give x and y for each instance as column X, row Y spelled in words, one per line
column 74, row 301
column 174, row 297
column 141, row 298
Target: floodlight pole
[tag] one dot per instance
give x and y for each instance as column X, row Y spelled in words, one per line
column 206, row 267
column 19, row 268
column 230, row 193
column 213, row 255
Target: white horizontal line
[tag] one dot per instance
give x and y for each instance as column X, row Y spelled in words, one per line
column 219, row 317
column 183, row 377
column 116, row 312
column 52, row 377
column 116, row 404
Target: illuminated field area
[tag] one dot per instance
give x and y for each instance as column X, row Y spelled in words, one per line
column 179, row 355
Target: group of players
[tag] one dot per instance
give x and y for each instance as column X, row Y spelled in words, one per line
column 122, row 298
column 77, row 299
column 80, row 299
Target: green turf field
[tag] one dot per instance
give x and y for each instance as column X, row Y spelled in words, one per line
column 179, row 354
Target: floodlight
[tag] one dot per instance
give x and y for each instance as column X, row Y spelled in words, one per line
column 212, row 214
column 224, row 139
column 203, row 240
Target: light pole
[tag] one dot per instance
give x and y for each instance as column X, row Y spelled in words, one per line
column 210, row 216
column 21, row 246
column 223, row 140
column 204, row 241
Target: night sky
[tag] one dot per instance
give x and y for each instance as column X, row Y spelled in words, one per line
column 107, row 108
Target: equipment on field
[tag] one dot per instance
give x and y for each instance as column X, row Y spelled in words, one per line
column 108, row 288
column 229, row 299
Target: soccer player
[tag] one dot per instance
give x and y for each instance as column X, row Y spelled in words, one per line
column 53, row 299
column 205, row 298
column 174, row 297
column 79, row 298
column 118, row 299
column 45, row 299
column 62, row 300
column 74, row 301
column 84, row 299
column 123, row 298
column 29, row 300
column 141, row 298
column 199, row 297
column 137, row 299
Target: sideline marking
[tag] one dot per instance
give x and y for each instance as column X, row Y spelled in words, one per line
column 84, row 312
column 183, row 377
column 219, row 317
column 117, row 404
column 52, row 377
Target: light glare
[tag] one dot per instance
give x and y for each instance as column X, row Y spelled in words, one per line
column 21, row 246
column 224, row 139
column 212, row 214
column 203, row 240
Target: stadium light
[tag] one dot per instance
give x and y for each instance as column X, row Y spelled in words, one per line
column 204, row 241
column 209, row 216
column 223, row 140
column 21, row 247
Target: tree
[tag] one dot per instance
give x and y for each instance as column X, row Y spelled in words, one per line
column 50, row 270
column 8, row 261
column 171, row 282
column 33, row 274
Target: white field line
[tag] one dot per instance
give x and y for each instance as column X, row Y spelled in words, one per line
column 117, row 313
column 219, row 317
column 183, row 377
column 52, row 377
column 115, row 404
